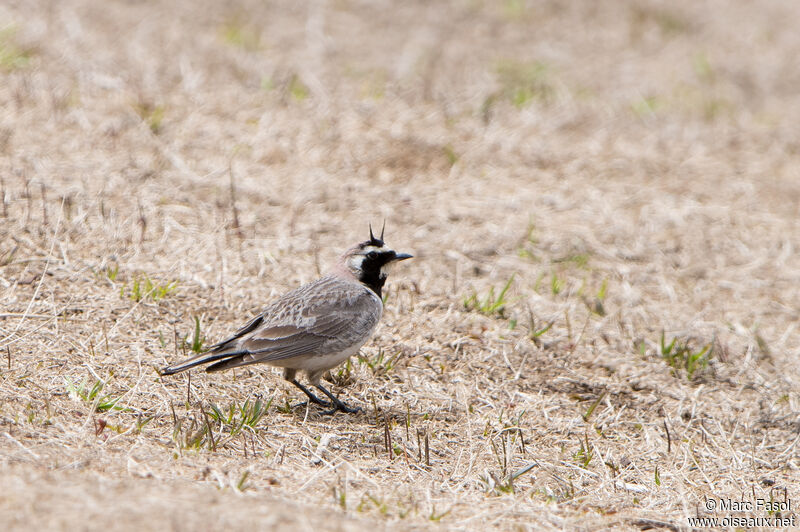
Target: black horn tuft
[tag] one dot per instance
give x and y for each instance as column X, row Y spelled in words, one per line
column 376, row 241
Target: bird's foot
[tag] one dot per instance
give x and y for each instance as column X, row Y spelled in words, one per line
column 338, row 404
column 342, row 408
column 335, row 402
column 305, row 404
column 311, row 397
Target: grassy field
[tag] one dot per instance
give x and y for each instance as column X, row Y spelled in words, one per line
column 599, row 328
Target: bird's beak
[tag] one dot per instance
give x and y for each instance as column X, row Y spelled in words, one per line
column 403, row 256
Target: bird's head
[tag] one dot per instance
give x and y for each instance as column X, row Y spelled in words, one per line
column 371, row 260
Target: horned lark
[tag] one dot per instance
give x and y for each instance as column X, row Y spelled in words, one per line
column 314, row 327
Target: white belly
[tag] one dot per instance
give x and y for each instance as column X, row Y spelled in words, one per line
column 329, row 361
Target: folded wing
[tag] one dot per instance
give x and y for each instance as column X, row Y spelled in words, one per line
column 296, row 325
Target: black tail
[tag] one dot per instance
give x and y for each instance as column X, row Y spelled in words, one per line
column 197, row 360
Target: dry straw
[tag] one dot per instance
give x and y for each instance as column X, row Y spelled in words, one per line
column 600, row 328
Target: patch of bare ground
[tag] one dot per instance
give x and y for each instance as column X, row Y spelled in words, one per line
column 599, row 328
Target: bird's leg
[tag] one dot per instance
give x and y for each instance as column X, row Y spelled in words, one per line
column 313, row 398
column 338, row 405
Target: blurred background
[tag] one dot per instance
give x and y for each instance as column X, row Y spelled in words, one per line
column 492, row 137
column 629, row 171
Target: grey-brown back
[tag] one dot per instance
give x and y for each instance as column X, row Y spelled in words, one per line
column 326, row 316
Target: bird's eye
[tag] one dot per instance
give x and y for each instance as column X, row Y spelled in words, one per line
column 372, row 255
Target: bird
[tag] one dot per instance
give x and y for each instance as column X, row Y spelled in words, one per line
column 314, row 327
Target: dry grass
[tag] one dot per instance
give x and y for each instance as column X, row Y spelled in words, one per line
column 633, row 166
